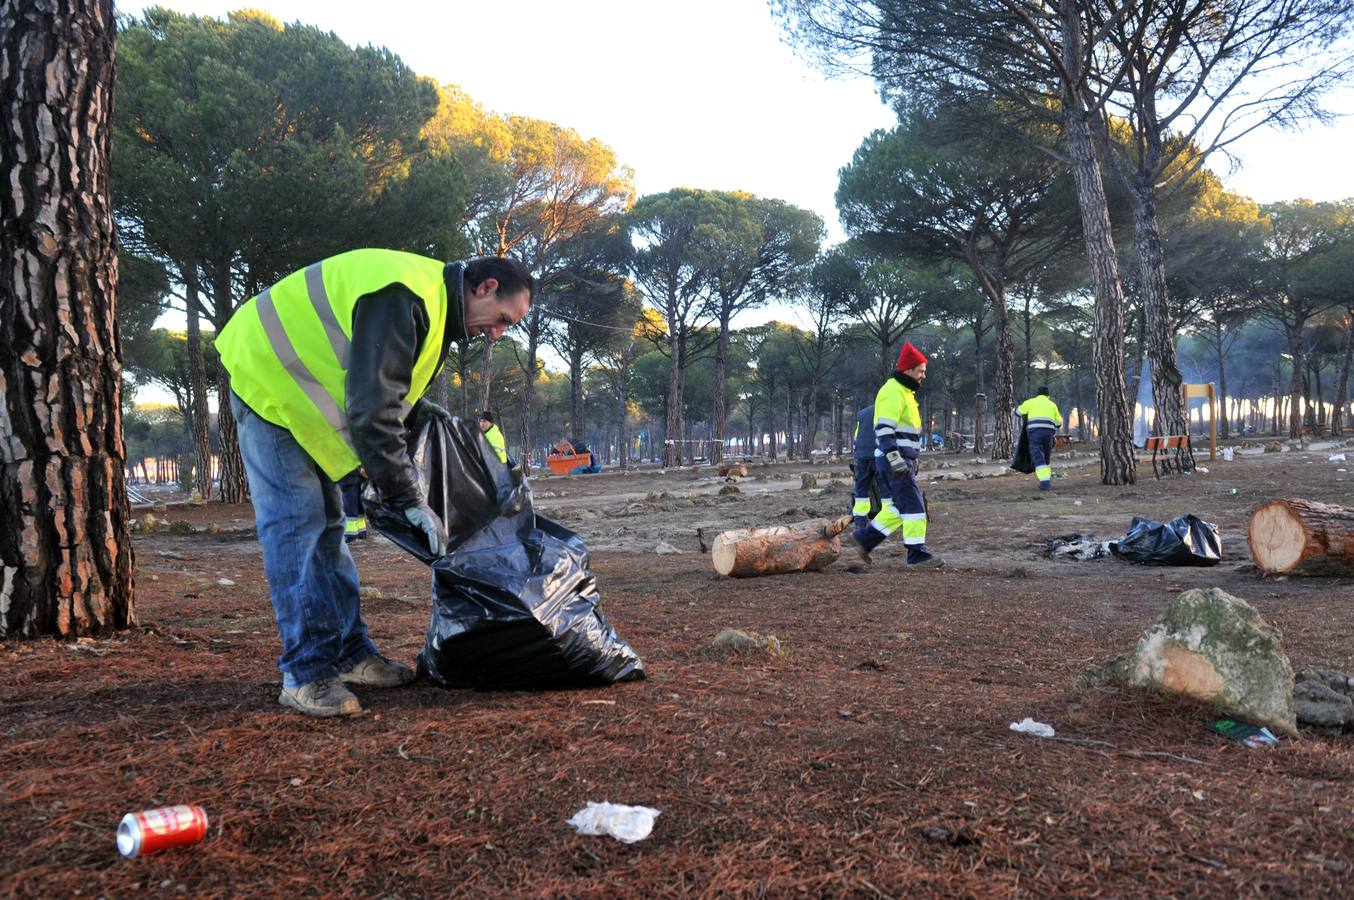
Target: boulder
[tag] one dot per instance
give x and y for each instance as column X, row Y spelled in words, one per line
column 729, row 489
column 1273, row 447
column 665, row 549
column 1213, row 647
column 179, row 526
column 1324, row 697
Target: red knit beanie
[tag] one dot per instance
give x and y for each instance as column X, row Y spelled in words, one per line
column 909, row 356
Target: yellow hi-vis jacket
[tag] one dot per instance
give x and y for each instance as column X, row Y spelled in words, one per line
column 287, row 348
column 897, row 420
column 495, row 439
column 1040, row 413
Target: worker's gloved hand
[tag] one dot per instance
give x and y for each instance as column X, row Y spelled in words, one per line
column 424, row 410
column 425, row 520
column 897, row 463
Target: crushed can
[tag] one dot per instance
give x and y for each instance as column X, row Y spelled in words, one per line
column 152, row 830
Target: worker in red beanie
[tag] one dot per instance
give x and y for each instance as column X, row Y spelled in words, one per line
column 897, row 428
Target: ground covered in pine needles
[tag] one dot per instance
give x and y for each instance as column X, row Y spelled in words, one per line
column 874, row 758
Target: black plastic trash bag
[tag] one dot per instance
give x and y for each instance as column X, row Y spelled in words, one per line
column 1022, row 461
column 1183, row 541
column 514, row 604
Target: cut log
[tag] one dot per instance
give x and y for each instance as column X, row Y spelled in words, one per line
column 778, row 549
column 733, row 470
column 1302, row 537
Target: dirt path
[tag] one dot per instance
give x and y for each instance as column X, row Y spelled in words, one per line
column 874, row 759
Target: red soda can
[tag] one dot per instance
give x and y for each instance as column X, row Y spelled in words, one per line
column 155, row 829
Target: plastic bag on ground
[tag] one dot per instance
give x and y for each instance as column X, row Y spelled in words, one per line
column 1029, row 726
column 624, row 823
column 514, row 604
column 1183, row 541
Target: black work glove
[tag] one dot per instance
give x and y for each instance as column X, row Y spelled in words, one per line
column 423, row 411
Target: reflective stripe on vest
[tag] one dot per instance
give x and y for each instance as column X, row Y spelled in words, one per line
column 288, row 349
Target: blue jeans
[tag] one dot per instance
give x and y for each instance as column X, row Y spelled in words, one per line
column 311, row 575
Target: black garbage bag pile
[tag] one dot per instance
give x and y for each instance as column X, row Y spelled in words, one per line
column 1183, row 541
column 514, row 604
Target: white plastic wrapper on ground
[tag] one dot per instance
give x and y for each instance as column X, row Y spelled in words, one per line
column 624, row 823
column 1029, row 726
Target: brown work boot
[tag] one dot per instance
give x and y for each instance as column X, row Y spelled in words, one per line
column 323, row 697
column 378, row 672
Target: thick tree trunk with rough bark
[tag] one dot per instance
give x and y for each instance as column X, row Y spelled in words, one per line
column 1157, row 331
column 1003, row 440
column 65, row 548
column 197, row 391
column 1302, row 537
column 234, row 484
column 1117, row 463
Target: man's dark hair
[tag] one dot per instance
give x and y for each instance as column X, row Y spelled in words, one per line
column 511, row 275
column 487, row 416
column 1043, row 389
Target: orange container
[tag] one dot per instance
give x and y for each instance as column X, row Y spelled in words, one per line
column 564, row 463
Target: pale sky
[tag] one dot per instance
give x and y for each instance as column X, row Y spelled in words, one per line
column 700, row 93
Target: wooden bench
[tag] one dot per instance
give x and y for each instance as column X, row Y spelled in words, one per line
column 1172, row 452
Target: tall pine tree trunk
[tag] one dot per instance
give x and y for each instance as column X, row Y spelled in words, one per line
column 1297, row 350
column 1157, row 330
column 718, row 412
column 1222, row 380
column 65, row 548
column 1337, row 423
column 234, row 485
column 1003, row 442
column 672, row 447
column 1117, row 463
column 528, row 395
column 576, row 424
column 197, row 394
column 623, row 430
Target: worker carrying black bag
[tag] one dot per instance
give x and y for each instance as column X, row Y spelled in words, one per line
column 514, row 604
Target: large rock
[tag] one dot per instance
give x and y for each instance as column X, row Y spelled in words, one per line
column 1213, row 647
column 1324, row 697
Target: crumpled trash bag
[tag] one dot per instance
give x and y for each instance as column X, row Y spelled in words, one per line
column 1079, row 547
column 1183, row 541
column 624, row 823
column 514, row 604
column 1029, row 726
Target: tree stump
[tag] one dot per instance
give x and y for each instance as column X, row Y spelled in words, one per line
column 778, row 549
column 1302, row 537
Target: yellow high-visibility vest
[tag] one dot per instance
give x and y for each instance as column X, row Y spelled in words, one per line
column 287, row 348
column 495, row 439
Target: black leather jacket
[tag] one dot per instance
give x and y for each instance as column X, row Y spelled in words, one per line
column 389, row 327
